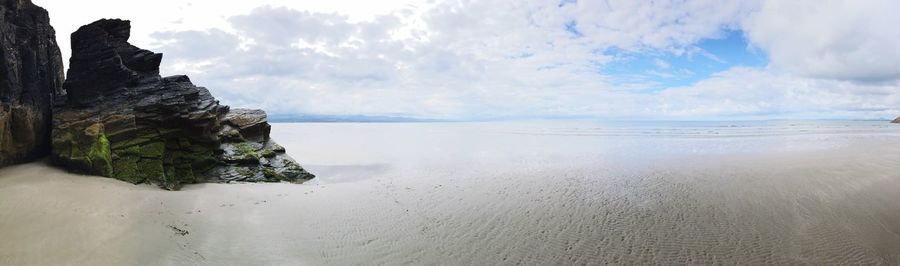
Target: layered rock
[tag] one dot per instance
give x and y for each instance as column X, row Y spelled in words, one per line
column 121, row 119
column 248, row 153
column 31, row 72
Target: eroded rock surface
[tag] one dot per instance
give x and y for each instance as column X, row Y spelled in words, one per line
column 248, row 153
column 122, row 119
column 31, row 72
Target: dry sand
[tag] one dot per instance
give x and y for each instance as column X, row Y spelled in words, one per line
column 491, row 194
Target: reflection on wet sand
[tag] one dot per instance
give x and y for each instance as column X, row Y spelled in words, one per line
column 489, row 194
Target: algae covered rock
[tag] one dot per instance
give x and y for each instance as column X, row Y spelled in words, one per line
column 121, row 119
column 31, row 73
column 249, row 154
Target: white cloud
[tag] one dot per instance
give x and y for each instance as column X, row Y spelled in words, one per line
column 476, row 59
column 147, row 17
column 756, row 93
column 456, row 59
column 661, row 63
column 836, row 39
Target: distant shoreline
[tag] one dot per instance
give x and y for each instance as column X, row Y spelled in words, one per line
column 349, row 119
column 388, row 119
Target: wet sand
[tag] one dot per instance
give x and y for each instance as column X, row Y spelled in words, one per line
column 492, row 194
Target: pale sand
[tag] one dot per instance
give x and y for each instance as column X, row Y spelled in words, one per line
column 488, row 194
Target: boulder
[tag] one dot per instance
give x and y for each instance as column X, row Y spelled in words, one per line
column 251, row 124
column 121, row 119
column 31, row 73
column 248, row 153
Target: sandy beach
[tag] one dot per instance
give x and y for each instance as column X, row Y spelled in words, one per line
column 536, row 193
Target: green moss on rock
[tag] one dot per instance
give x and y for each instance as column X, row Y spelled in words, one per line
column 100, row 156
column 272, row 175
column 267, row 153
column 249, row 152
column 126, row 168
column 151, row 170
column 244, row 172
column 153, row 150
column 86, row 150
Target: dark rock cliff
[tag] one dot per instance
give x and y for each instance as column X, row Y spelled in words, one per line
column 31, row 73
column 121, row 119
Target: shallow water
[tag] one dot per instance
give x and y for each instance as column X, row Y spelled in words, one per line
column 574, row 192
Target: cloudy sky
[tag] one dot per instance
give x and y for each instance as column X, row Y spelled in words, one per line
column 716, row 59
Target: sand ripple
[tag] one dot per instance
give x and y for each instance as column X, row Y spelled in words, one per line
column 463, row 194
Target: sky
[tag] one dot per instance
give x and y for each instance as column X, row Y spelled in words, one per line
column 520, row 59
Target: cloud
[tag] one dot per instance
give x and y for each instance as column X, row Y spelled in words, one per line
column 841, row 39
column 489, row 59
column 758, row 93
column 193, row 44
column 661, row 63
column 284, row 27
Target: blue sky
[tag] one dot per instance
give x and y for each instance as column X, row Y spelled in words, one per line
column 609, row 59
column 666, row 70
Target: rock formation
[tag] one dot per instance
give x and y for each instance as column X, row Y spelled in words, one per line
column 896, row 120
column 31, row 72
column 121, row 119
